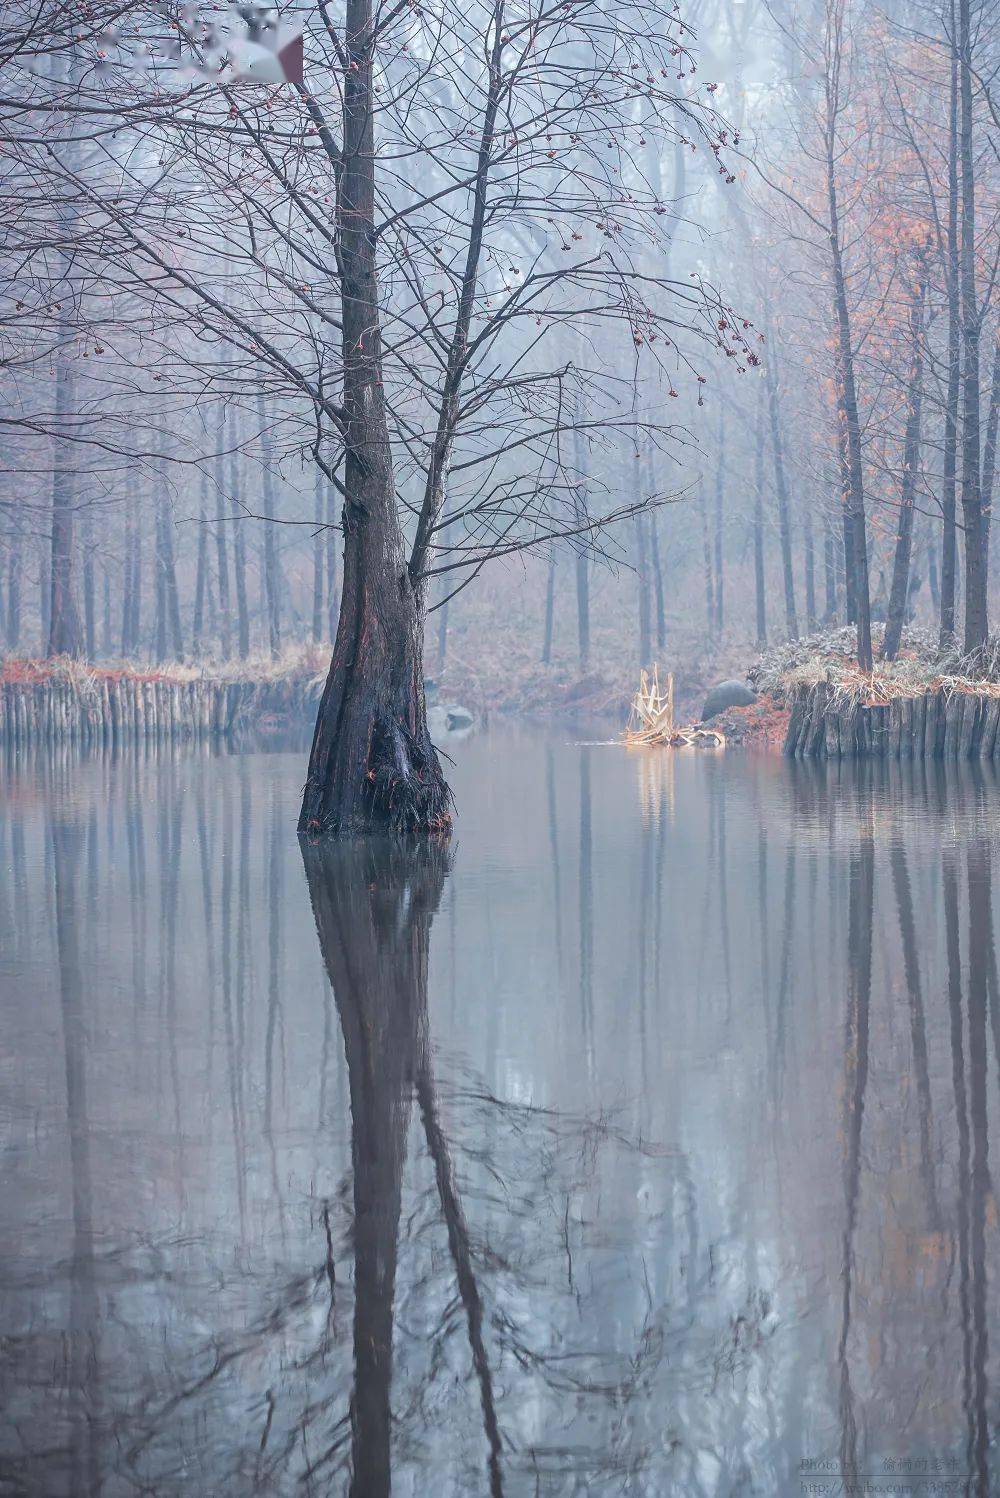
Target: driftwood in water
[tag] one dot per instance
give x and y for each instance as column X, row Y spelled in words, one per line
column 941, row 724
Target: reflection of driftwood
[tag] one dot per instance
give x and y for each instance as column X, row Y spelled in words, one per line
column 651, row 718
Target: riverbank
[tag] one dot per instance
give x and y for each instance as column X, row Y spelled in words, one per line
column 926, row 704
column 60, row 700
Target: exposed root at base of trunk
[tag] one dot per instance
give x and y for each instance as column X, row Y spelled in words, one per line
column 402, row 791
column 407, row 793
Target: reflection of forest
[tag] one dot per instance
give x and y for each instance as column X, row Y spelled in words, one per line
column 649, row 1161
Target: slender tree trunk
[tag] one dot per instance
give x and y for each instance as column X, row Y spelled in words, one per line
column 550, row 608
column 239, row 553
column 64, row 633
column 810, row 559
column 201, row 573
column 976, row 619
column 442, row 633
column 900, row 591
column 781, row 487
column 990, row 446
column 758, row 523
column 660, row 601
column 849, row 415
column 829, row 568
column 168, row 614
column 372, row 766
column 89, row 595
column 318, row 557
column 642, row 582
column 949, row 535
column 221, row 546
column 14, row 594
column 706, row 549
column 719, row 505
column 106, row 631
column 272, row 564
column 582, row 565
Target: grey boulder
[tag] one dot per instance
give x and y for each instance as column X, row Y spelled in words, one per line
column 727, row 694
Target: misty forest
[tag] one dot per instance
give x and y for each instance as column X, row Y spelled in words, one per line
column 499, row 748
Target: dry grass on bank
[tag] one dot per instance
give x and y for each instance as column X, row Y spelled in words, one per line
column 921, row 667
column 298, row 662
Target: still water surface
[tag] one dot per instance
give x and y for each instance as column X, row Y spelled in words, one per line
column 639, row 1145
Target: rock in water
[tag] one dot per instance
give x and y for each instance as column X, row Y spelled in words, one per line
column 727, row 694
column 457, row 716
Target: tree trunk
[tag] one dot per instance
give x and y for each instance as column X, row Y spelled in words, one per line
column 201, row 572
column 990, row 446
column 14, row 595
column 784, row 517
column 829, row 569
column 949, row 537
column 239, row 556
column 372, row 766
column 654, row 555
column 89, row 595
column 642, row 582
column 900, row 591
column 442, row 633
column 318, row 558
column 332, row 599
column 706, row 551
column 272, row 564
column 221, row 548
column 550, row 608
column 64, row 633
column 810, row 559
column 976, row 620
column 719, row 496
column 849, row 414
column 582, row 564
column 758, row 524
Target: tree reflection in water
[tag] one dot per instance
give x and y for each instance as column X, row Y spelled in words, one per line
column 655, row 1163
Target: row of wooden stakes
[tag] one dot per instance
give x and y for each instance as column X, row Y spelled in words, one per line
column 114, row 709
column 940, row 724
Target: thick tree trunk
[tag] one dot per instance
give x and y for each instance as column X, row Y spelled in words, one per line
column 900, row 591
column 332, row 596
column 372, row 766
column 976, row 619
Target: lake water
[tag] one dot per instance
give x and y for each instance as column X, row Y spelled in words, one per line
column 638, row 1145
